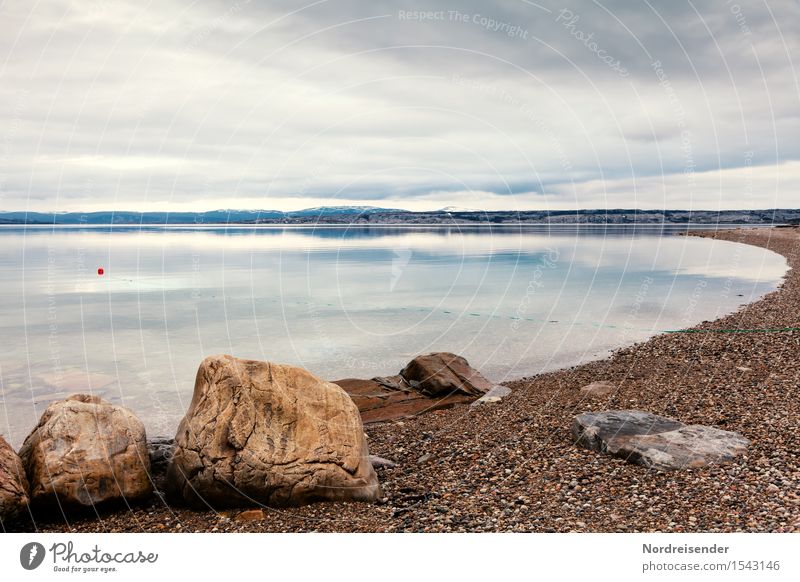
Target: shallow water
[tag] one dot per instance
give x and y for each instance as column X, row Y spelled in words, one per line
column 340, row 302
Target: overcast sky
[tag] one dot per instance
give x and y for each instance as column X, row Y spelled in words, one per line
column 419, row 105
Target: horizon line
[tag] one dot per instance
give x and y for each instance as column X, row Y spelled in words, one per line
column 381, row 209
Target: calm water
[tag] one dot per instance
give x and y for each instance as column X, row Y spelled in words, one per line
column 338, row 301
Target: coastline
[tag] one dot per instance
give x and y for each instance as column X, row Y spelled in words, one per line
column 512, row 466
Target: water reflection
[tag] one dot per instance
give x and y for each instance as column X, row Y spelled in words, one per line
column 338, row 301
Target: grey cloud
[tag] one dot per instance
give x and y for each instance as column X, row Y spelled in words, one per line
column 217, row 103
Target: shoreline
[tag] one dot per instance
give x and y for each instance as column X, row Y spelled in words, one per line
column 689, row 227
column 512, row 466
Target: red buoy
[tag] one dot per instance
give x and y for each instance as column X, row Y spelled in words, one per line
column 100, row 270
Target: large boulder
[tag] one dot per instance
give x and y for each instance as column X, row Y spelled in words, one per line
column 268, row 433
column 13, row 484
column 84, row 452
column 654, row 441
column 443, row 373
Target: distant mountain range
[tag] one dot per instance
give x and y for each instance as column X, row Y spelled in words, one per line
column 222, row 216
column 375, row 215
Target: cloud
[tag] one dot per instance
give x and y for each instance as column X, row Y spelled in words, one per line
column 753, row 188
column 404, row 104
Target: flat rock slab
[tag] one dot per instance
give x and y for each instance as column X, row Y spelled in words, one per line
column 429, row 382
column 654, row 441
column 377, row 402
column 496, row 394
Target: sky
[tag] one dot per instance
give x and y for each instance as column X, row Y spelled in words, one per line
column 512, row 105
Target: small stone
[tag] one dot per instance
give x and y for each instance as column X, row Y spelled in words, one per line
column 601, row 388
column 493, row 396
column 250, row 515
column 444, row 373
column 381, row 463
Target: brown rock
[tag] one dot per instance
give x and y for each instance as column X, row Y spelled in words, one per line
column 443, row 373
column 13, row 483
column 268, row 433
column 86, row 451
column 601, row 388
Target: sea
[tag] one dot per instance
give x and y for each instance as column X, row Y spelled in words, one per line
column 128, row 312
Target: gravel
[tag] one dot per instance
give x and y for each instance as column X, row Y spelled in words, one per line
column 513, row 466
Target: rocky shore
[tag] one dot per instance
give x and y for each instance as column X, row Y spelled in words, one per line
column 513, row 465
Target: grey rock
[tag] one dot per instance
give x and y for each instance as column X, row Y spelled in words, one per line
column 654, row 441
column 161, row 450
column 496, row 394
